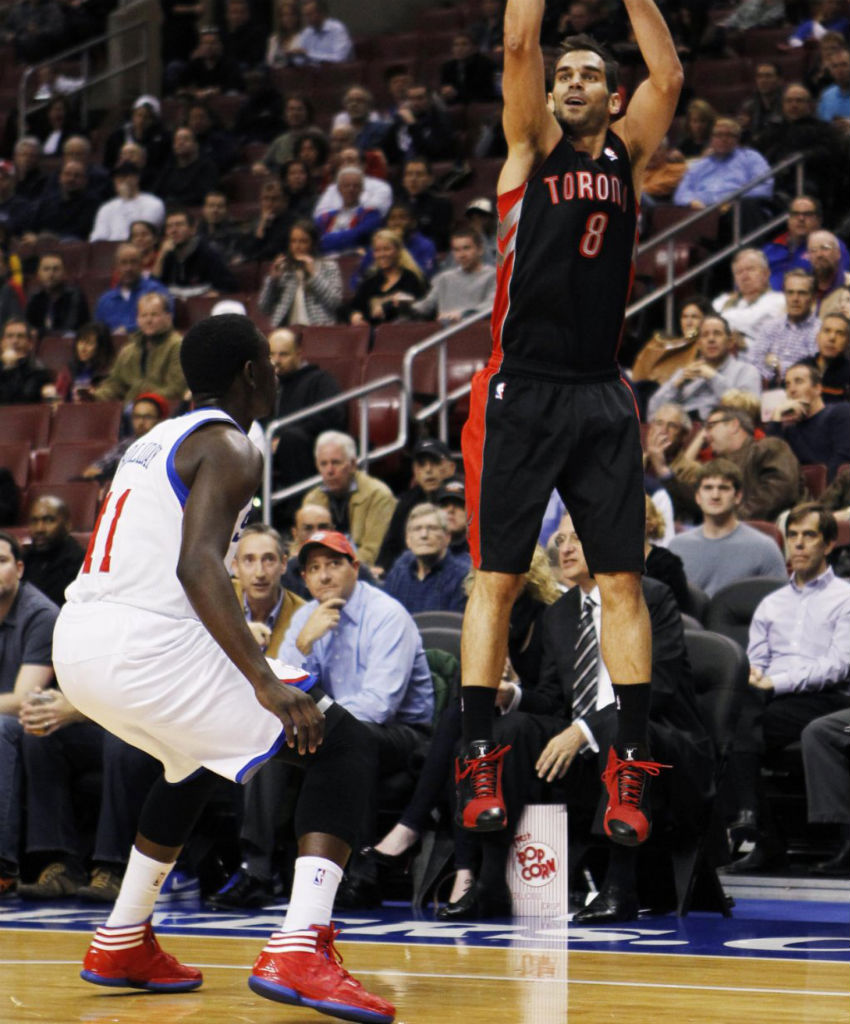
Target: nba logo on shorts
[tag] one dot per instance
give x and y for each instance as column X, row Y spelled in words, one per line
column 500, row 390
column 319, row 877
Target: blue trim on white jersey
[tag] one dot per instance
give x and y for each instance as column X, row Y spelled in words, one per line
column 246, row 773
column 179, row 488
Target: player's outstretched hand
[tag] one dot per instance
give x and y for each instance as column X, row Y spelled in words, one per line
column 302, row 721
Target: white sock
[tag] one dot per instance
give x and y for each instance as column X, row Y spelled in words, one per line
column 139, row 889
column 311, row 902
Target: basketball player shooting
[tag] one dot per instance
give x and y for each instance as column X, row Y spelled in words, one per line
column 551, row 410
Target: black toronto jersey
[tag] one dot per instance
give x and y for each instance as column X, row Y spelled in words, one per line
column 566, row 247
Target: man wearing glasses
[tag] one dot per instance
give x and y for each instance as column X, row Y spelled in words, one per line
column 788, row 250
column 831, row 281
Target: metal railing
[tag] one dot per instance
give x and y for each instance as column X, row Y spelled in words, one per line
column 364, row 458
column 668, row 238
column 440, row 405
column 83, row 52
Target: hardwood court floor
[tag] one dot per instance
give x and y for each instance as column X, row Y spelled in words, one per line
column 432, row 983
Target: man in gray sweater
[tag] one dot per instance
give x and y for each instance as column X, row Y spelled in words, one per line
column 700, row 385
column 724, row 549
column 465, row 289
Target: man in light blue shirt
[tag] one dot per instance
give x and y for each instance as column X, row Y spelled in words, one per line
column 834, row 101
column 799, row 652
column 780, row 341
column 325, row 40
column 368, row 655
column 727, row 167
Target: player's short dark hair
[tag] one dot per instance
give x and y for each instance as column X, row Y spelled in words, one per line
column 215, row 349
column 585, row 42
column 827, row 526
column 14, row 545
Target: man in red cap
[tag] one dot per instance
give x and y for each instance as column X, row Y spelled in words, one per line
column 367, row 653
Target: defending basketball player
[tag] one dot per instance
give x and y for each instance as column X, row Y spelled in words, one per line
column 551, row 410
column 154, row 646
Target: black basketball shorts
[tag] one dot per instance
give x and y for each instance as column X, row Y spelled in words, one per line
column 525, row 437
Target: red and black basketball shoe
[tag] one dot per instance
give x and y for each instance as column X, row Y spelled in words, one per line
column 132, row 958
column 478, row 777
column 305, row 969
column 628, row 819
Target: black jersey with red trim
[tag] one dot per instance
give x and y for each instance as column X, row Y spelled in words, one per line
column 566, row 249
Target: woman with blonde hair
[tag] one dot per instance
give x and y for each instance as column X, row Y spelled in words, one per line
column 661, row 564
column 393, row 283
column 700, row 116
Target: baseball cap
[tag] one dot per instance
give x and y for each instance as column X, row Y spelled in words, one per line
column 327, row 539
column 7, row 167
column 482, row 204
column 431, row 447
column 452, row 489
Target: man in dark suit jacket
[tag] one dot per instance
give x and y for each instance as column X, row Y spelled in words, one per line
column 549, row 743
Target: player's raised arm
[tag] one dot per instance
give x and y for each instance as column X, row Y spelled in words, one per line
column 530, row 129
column 651, row 109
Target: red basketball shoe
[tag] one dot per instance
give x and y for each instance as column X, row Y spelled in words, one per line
column 628, row 819
column 302, row 976
column 480, row 804
column 131, row 958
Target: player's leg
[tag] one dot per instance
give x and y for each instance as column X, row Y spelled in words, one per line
column 510, row 465
column 605, row 496
column 299, row 964
column 124, row 951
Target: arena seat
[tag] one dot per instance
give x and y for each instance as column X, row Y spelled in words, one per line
column 25, row 423
column 345, row 340
column 66, row 461
column 15, row 456
column 87, row 421
column 80, row 497
column 731, row 609
column 398, row 338
column 101, row 258
column 55, row 351
column 769, row 530
column 814, row 476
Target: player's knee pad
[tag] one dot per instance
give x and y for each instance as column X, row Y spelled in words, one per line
column 171, row 809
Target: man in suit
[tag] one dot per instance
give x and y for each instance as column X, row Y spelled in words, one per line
column 565, row 725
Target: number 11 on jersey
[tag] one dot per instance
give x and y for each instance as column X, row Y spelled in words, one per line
column 115, row 513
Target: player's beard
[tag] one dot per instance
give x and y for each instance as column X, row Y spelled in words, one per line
column 593, row 122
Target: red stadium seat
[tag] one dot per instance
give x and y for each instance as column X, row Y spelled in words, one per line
column 81, row 499
column 340, row 340
column 814, row 476
column 87, row 421
column 15, row 456
column 400, row 337
column 25, row 423
column 769, row 530
column 65, row 462
column 55, row 351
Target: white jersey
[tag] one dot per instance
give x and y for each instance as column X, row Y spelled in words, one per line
column 135, row 547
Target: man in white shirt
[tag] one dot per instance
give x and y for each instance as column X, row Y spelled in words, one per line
column 376, row 194
column 752, row 300
column 114, row 217
column 324, row 40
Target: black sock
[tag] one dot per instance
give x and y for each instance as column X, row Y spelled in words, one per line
column 622, row 865
column 632, row 715
column 478, row 704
